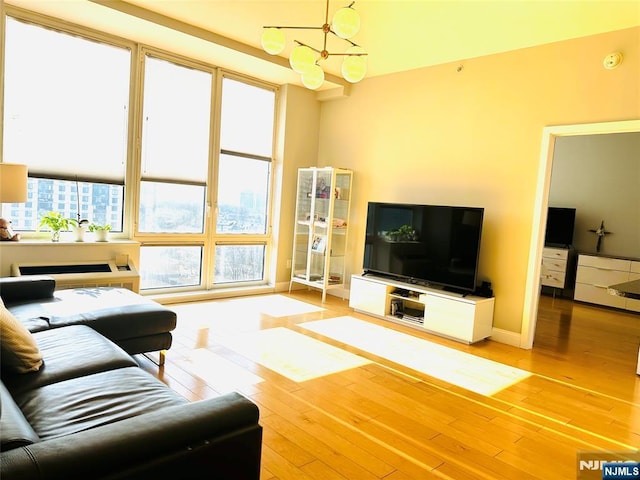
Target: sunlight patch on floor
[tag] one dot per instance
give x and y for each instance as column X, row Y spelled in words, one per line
column 468, row 371
column 277, row 305
column 220, row 374
column 294, row 355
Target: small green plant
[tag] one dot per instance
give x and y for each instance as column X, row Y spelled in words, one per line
column 97, row 227
column 57, row 223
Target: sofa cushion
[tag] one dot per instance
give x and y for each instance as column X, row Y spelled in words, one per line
column 32, row 315
column 70, row 352
column 15, row 431
column 18, row 350
column 26, row 289
column 117, row 313
column 79, row 404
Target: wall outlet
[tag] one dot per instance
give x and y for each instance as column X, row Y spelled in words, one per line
column 289, row 263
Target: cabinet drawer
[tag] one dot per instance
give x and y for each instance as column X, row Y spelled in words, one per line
column 597, row 295
column 635, row 267
column 553, row 279
column 600, row 277
column 550, row 252
column 604, row 263
column 555, row 264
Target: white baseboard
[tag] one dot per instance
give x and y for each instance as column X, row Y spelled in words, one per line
column 505, row 336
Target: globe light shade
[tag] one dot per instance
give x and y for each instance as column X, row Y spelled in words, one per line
column 354, row 67
column 273, row 40
column 346, row 22
column 302, row 59
column 313, row 78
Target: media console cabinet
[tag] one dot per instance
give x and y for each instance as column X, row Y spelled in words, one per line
column 465, row 318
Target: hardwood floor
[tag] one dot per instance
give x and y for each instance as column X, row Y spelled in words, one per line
column 382, row 419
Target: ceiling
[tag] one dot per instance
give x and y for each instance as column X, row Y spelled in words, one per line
column 398, row 35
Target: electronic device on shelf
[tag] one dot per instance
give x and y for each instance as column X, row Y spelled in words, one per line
column 560, row 226
column 430, row 245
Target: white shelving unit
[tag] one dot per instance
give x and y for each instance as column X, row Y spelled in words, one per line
column 320, row 235
column 466, row 318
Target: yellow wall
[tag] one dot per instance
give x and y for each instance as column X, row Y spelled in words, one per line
column 297, row 147
column 440, row 136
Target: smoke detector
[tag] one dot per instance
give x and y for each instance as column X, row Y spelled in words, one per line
column 612, row 60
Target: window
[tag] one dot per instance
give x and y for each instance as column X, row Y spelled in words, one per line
column 174, row 170
column 242, row 195
column 96, row 206
column 66, row 117
column 175, row 148
column 239, row 263
column 170, row 266
column 244, row 177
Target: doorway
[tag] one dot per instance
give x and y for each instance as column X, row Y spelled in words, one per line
column 549, row 136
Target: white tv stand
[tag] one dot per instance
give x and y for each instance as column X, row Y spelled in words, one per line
column 466, row 318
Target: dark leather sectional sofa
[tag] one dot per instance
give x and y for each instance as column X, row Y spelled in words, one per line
column 91, row 412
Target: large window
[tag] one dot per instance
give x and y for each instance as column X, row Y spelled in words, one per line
column 194, row 188
column 66, row 103
column 176, row 131
column 244, row 177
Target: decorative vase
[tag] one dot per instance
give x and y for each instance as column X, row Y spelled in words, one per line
column 101, row 235
column 55, row 236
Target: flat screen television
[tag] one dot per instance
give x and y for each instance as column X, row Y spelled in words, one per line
column 560, row 226
column 424, row 244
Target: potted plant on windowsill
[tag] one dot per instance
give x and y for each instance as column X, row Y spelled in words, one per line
column 100, row 231
column 79, row 227
column 55, row 222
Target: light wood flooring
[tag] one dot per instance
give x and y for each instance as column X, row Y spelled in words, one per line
column 383, row 420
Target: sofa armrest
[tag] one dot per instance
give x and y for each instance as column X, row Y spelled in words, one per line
column 24, row 289
column 216, row 438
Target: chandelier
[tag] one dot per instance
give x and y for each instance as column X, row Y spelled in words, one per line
column 304, row 58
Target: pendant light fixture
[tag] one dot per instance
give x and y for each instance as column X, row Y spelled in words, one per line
column 305, row 59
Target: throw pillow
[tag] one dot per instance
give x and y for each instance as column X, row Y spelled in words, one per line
column 18, row 349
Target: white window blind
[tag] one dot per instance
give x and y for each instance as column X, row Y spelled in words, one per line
column 66, row 104
column 176, row 122
column 247, row 119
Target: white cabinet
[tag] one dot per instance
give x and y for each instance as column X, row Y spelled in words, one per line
column 559, row 269
column 554, row 267
column 596, row 273
column 466, row 318
column 370, row 297
column 634, row 274
column 321, row 227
